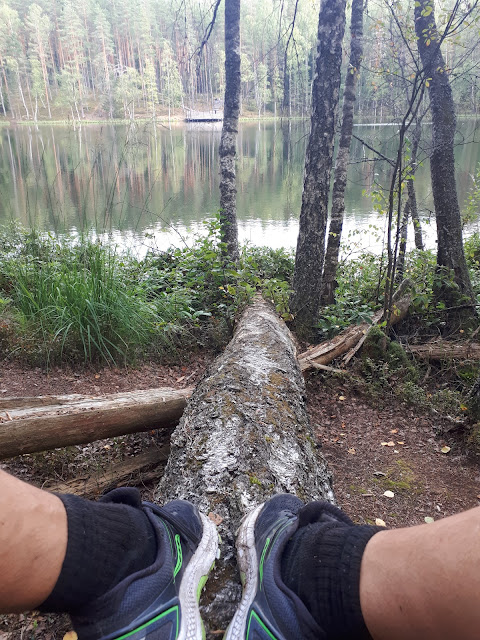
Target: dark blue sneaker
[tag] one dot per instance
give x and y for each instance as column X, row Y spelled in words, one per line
column 161, row 601
column 268, row 609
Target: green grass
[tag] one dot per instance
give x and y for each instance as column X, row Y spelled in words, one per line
column 75, row 299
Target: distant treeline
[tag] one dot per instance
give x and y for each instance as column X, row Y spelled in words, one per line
column 117, row 58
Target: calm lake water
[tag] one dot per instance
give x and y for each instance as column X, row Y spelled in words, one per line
column 151, row 186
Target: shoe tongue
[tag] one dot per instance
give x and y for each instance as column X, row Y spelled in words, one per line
column 124, row 495
column 321, row 511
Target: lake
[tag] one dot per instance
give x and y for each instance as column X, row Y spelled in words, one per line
column 147, row 185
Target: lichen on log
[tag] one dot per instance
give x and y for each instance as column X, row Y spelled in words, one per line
column 244, row 436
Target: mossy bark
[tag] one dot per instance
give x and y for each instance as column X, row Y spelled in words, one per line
column 244, row 436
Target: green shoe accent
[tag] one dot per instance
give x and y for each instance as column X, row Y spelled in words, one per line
column 143, row 626
column 178, row 566
column 260, row 568
column 267, row 631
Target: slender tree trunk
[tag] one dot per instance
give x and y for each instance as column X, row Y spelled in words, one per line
column 450, row 254
column 412, row 196
column 227, row 151
column 307, row 281
column 340, row 183
column 403, row 243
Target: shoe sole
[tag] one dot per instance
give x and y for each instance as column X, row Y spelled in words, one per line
column 248, row 564
column 194, row 579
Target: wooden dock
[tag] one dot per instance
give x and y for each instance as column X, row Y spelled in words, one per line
column 191, row 115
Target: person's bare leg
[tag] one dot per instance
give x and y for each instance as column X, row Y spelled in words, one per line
column 424, row 582
column 33, row 542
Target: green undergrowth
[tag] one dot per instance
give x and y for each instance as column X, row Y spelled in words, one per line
column 79, row 300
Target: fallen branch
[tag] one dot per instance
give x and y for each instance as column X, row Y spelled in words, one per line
column 86, row 419
column 132, row 471
column 244, row 436
column 443, row 350
column 349, row 341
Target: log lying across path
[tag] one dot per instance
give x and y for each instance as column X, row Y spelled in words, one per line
column 349, row 341
column 35, row 424
column 443, row 350
column 244, row 436
column 144, row 467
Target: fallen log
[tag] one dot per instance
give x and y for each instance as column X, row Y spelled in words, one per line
column 86, row 419
column 443, row 350
column 350, row 340
column 132, row 471
column 244, row 436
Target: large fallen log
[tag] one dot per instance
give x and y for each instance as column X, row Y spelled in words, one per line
column 244, row 436
column 443, row 350
column 132, row 471
column 28, row 429
column 349, row 341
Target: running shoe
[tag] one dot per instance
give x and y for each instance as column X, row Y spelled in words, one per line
column 269, row 610
column 161, row 601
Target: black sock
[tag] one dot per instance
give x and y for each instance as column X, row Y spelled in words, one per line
column 107, row 541
column 321, row 564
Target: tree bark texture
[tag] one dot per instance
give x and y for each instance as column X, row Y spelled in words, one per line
column 227, row 151
column 450, row 252
column 244, row 436
column 30, row 429
column 307, row 280
column 340, row 182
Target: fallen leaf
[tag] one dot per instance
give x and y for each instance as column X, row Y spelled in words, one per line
column 70, row 635
column 352, row 451
column 389, row 494
column 478, row 496
column 445, row 449
column 429, row 519
column 380, row 523
column 384, row 444
column 391, row 443
column 396, row 451
column 215, row 518
column 394, row 431
column 107, row 446
column 379, row 473
column 97, row 376
column 341, row 398
column 400, row 442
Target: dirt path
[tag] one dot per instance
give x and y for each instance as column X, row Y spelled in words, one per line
column 350, row 428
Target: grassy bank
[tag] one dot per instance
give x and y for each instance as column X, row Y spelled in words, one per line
column 65, row 299
column 75, row 299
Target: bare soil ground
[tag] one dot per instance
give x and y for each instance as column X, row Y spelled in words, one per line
column 350, row 428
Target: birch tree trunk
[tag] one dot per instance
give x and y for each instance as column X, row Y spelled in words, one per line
column 338, row 197
column 450, row 254
column 243, row 437
column 227, row 151
column 307, row 280
column 412, row 196
column 410, row 208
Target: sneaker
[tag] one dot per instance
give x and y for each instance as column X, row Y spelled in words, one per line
column 268, row 609
column 161, row 601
